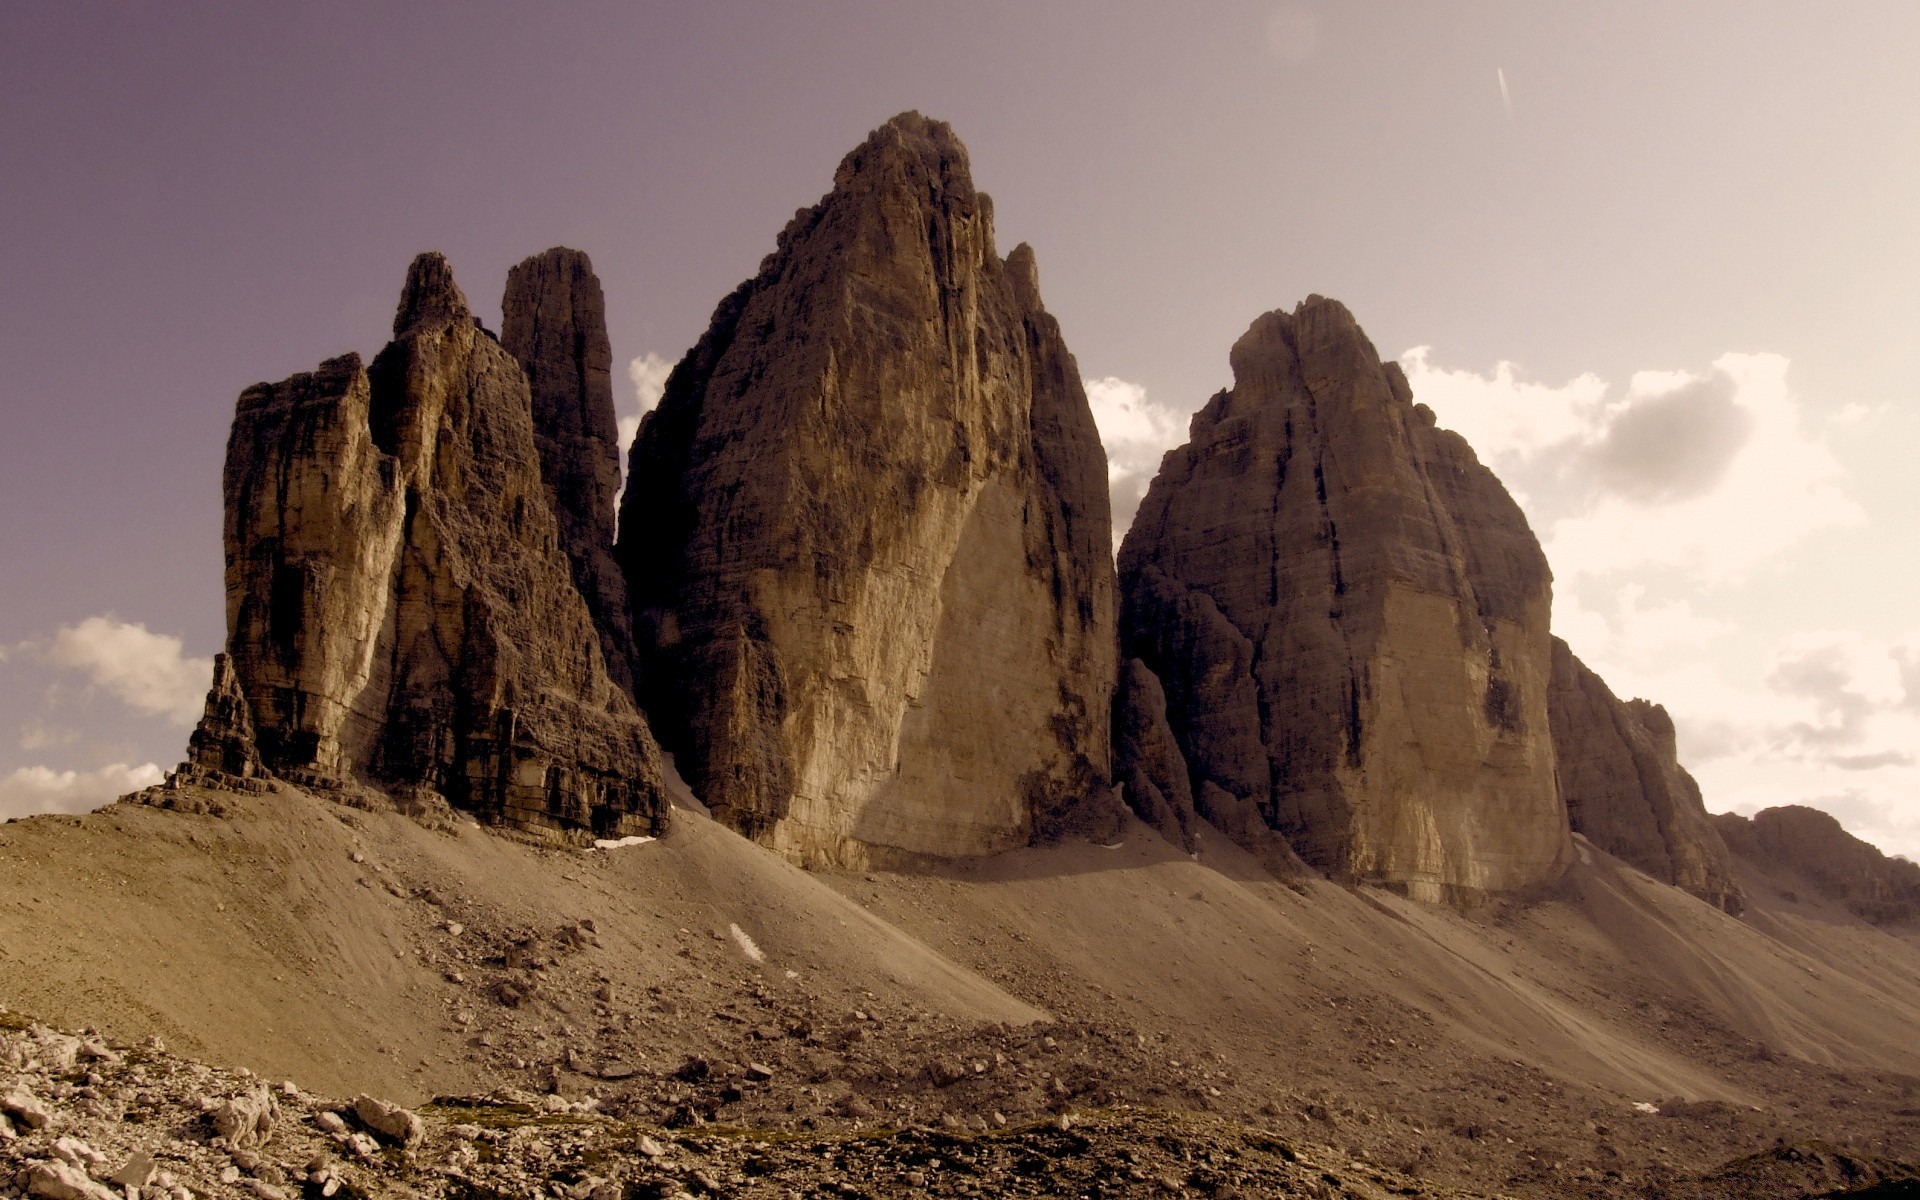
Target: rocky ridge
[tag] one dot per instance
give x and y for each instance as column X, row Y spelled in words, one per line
column 866, row 537
column 1619, row 771
column 1348, row 617
column 1794, row 842
column 400, row 608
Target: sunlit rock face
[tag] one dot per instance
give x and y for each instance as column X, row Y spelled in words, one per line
column 1625, row 789
column 1348, row 616
column 866, row 535
column 400, row 610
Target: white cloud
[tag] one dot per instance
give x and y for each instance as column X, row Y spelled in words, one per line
column 648, row 373
column 145, row 670
column 1724, row 458
column 1136, row 433
column 1678, row 513
column 30, row 790
column 39, row 736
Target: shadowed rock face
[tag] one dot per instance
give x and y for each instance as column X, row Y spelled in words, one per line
column 553, row 320
column 866, row 539
column 399, row 606
column 1349, row 616
column 1624, row 787
column 1796, row 842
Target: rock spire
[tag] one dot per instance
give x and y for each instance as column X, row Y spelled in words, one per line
column 400, row 610
column 1348, row 616
column 553, row 320
column 866, row 534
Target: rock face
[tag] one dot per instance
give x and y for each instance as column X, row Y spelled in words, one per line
column 553, row 320
column 1797, row 842
column 1349, row 616
column 399, row 607
column 1624, row 787
column 866, row 537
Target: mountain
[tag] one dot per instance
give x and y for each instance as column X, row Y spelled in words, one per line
column 1348, row 617
column 866, row 535
column 401, row 611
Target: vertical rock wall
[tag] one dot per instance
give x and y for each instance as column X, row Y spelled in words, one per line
column 553, row 320
column 865, row 534
column 1620, row 774
column 1349, row 617
column 399, row 606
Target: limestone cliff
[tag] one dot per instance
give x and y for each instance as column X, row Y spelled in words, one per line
column 553, row 320
column 866, row 534
column 399, row 607
column 1349, row 616
column 1802, row 846
column 1621, row 778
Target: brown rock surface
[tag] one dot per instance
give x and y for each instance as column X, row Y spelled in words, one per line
column 866, row 534
column 1794, row 840
column 399, row 608
column 1147, row 758
column 1349, row 615
column 1621, row 778
column 553, row 320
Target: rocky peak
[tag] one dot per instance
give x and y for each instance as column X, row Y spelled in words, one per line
column 863, row 534
column 399, row 610
column 1800, row 847
column 430, row 296
column 554, row 323
column 1348, row 616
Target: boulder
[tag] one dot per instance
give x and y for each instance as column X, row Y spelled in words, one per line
column 1349, row 616
column 866, row 535
column 1619, row 772
column 400, row 609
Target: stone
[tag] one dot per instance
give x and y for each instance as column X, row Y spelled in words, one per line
column 1798, row 845
column 866, row 536
column 25, row 1108
column 1348, row 616
column 553, row 320
column 400, row 609
column 330, row 1123
column 247, row 1119
column 222, row 748
column 390, row 1120
column 1619, row 772
column 136, row 1172
column 64, row 1181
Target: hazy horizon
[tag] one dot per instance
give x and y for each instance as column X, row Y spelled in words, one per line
column 1657, row 265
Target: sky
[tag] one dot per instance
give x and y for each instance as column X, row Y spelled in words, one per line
column 1656, row 260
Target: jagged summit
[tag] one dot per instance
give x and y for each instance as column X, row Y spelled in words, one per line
column 400, row 612
column 430, row 296
column 864, row 534
column 1348, row 615
column 554, row 323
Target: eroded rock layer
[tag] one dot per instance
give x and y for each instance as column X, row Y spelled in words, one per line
column 1348, row 615
column 553, row 320
column 399, row 607
column 866, row 536
column 1797, row 843
column 1624, row 787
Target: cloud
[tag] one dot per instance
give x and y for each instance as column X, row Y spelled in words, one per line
column 37, row 736
column 648, row 374
column 30, row 790
column 1136, row 433
column 146, row 671
column 1723, row 458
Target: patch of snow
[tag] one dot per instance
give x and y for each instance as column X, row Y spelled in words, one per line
column 616, row 843
column 747, row 946
column 1651, row 1110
